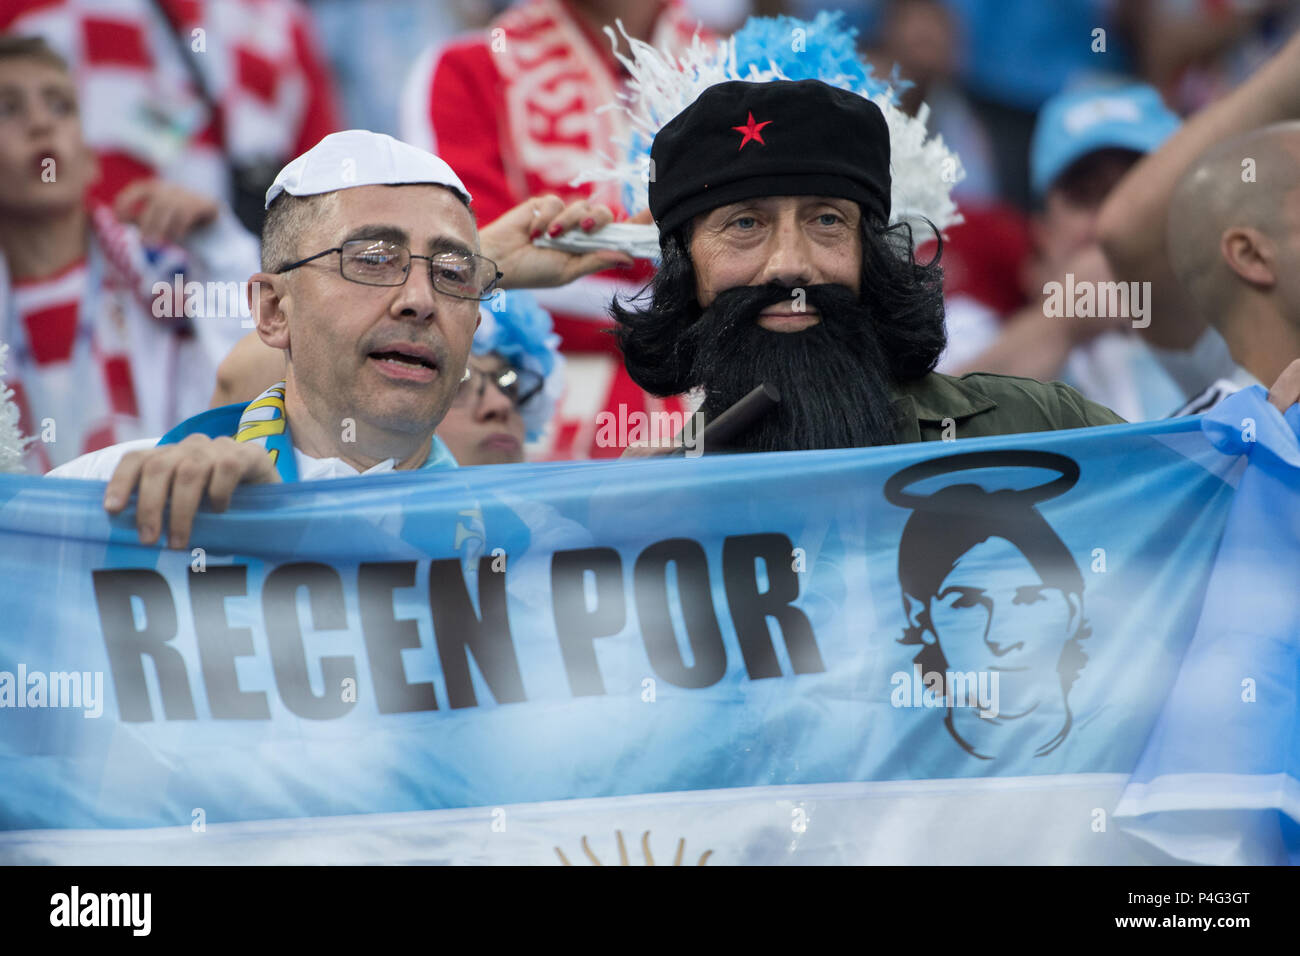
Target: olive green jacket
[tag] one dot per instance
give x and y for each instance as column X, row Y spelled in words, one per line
column 982, row 404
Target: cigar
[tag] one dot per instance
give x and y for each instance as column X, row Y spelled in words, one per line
column 737, row 419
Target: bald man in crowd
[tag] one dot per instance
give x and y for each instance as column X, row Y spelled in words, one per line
column 1212, row 221
column 1234, row 245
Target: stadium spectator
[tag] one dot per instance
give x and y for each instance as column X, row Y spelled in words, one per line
column 515, row 109
column 214, row 95
column 919, row 38
column 1084, row 143
column 793, row 279
column 99, row 356
column 1211, row 220
column 780, row 272
column 516, row 374
column 483, row 425
column 376, row 340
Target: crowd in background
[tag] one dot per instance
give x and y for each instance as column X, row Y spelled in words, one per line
column 214, row 96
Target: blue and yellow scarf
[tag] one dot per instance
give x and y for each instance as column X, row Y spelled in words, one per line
column 264, row 420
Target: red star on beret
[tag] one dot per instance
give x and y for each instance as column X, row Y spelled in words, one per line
column 752, row 131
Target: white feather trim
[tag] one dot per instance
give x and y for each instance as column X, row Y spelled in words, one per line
column 12, row 442
column 923, row 170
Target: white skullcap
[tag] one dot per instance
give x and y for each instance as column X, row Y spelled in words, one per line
column 358, row 157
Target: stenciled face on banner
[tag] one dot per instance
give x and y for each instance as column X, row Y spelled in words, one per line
column 993, row 600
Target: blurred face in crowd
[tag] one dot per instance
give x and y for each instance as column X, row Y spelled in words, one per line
column 389, row 358
column 1068, row 222
column 483, row 426
column 44, row 161
column 919, row 37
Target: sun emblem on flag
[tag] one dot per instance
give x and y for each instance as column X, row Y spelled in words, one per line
column 752, row 131
column 622, row 852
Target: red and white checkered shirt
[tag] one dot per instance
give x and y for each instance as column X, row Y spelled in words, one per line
column 140, row 108
column 98, row 355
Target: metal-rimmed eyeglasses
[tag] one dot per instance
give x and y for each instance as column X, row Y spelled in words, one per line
column 386, row 263
column 516, row 384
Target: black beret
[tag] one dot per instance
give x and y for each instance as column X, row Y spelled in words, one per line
column 781, row 138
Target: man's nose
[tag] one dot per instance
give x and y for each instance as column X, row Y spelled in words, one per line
column 416, row 298
column 997, row 624
column 40, row 118
column 789, row 259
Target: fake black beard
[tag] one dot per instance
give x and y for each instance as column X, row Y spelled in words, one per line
column 833, row 377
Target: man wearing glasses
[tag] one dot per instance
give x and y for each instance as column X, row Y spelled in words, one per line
column 371, row 282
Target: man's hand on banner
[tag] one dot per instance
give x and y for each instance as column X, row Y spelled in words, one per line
column 1286, row 390
column 509, row 243
column 183, row 473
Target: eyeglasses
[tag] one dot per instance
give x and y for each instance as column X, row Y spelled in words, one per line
column 517, row 384
column 380, row 262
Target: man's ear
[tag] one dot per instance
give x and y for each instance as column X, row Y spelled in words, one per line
column 1250, row 254
column 267, row 297
column 918, row 618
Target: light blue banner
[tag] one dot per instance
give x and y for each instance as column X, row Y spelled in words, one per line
column 523, row 635
column 1220, row 779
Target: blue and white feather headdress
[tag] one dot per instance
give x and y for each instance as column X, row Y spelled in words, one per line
column 924, row 170
column 515, row 326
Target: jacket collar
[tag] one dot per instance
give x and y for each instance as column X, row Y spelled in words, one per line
column 932, row 398
column 941, row 396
